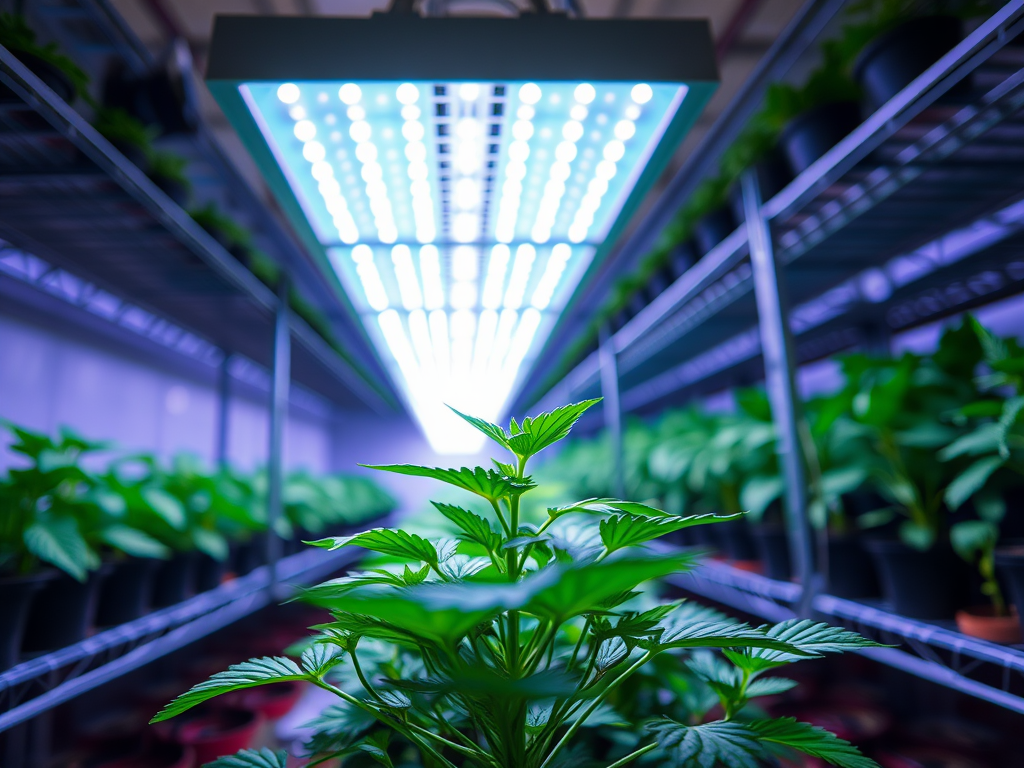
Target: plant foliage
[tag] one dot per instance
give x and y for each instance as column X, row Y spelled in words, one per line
column 493, row 648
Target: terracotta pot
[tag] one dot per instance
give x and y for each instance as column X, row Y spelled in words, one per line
column 981, row 622
column 219, row 732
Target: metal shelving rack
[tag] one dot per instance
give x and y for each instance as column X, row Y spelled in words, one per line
column 40, row 684
column 916, row 215
column 932, row 650
column 73, row 205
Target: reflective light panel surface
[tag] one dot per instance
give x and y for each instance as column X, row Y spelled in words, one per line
column 460, row 216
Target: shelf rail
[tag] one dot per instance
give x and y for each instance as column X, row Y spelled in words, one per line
column 35, row 686
column 928, row 650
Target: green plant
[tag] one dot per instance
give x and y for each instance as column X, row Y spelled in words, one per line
column 17, row 36
column 167, row 165
column 118, row 126
column 515, row 636
column 991, row 456
column 56, row 512
column 210, row 218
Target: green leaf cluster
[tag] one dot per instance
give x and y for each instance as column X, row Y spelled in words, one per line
column 59, row 511
column 496, row 645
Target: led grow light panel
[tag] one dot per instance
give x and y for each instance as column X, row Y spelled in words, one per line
column 460, row 216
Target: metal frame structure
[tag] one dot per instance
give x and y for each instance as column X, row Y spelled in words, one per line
column 959, row 256
column 36, row 686
column 935, row 652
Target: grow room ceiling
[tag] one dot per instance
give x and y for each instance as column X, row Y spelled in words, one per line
column 458, row 301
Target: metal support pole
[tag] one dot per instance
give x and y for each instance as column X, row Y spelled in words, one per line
column 278, row 416
column 223, row 407
column 612, row 410
column 780, row 378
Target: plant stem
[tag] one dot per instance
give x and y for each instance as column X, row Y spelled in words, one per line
column 633, row 756
column 593, row 706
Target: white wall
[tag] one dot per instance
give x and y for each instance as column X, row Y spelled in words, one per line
column 48, row 380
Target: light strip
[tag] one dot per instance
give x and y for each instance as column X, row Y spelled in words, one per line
column 465, row 213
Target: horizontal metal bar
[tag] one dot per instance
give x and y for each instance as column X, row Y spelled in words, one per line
column 918, row 630
column 936, row 673
column 187, row 622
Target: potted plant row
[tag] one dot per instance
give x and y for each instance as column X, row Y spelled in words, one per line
column 912, row 467
column 81, row 548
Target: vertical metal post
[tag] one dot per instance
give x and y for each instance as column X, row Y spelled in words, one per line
column 223, row 406
column 278, row 416
column 780, row 378
column 612, row 409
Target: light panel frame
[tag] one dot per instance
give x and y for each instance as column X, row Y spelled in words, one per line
column 376, row 246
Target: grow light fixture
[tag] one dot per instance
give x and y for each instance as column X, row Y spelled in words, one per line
column 459, row 175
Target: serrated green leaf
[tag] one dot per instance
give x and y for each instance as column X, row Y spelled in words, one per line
column 811, row 740
column 59, row 542
column 621, row 531
column 538, row 432
column 770, row 686
column 611, row 652
column 319, row 658
column 969, row 537
column 576, row 590
column 707, row 745
column 392, row 699
column 248, row 674
column 487, row 483
column 493, row 431
column 475, row 528
column 252, row 758
column 984, row 439
column 606, row 507
column 387, row 541
column 720, row 634
column 810, row 638
column 376, row 746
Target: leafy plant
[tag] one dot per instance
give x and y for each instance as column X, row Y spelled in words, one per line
column 121, row 128
column 990, row 455
column 513, row 636
column 56, row 512
column 17, row 36
column 167, row 165
column 219, row 224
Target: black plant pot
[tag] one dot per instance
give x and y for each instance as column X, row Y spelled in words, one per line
column 773, row 175
column 850, row 572
column 890, row 62
column 251, row 554
column 713, row 229
column 812, row 134
column 921, row 585
column 174, row 580
column 53, row 77
column 62, row 612
column 209, row 572
column 16, row 594
column 157, row 99
column 1010, row 562
column 125, row 593
column 736, row 540
column 773, row 551
column 682, row 258
column 173, row 188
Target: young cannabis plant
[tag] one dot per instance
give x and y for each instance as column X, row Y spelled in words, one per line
column 505, row 640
